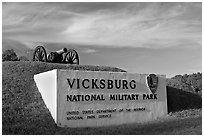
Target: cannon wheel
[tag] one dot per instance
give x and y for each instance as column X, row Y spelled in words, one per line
column 40, row 54
column 72, row 57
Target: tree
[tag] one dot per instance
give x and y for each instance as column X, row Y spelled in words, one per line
column 191, row 82
column 23, row 58
column 9, row 55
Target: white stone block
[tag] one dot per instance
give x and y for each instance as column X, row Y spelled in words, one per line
column 47, row 85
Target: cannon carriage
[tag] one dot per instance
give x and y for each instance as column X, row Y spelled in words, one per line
column 64, row 56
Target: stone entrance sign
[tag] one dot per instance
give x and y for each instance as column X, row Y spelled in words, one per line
column 98, row 98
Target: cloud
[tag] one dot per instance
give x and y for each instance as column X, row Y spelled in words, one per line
column 89, row 51
column 148, row 25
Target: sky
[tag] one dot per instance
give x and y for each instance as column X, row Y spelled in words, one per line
column 162, row 38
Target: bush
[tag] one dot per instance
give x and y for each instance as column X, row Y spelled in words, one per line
column 9, row 55
column 23, row 58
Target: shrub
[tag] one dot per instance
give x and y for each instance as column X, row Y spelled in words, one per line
column 23, row 58
column 9, row 55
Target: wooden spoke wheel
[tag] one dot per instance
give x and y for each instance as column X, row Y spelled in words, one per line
column 72, row 57
column 40, row 54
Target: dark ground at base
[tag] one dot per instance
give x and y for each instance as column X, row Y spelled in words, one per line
column 24, row 112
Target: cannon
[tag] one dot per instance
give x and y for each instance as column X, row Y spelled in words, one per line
column 61, row 56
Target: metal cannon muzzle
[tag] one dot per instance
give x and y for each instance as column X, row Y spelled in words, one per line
column 62, row 51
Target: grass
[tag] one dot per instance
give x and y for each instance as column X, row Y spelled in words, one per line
column 24, row 112
column 161, row 127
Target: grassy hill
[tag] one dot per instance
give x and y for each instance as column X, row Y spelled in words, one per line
column 24, row 112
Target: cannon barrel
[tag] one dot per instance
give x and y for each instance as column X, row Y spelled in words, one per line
column 61, row 51
column 56, row 56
